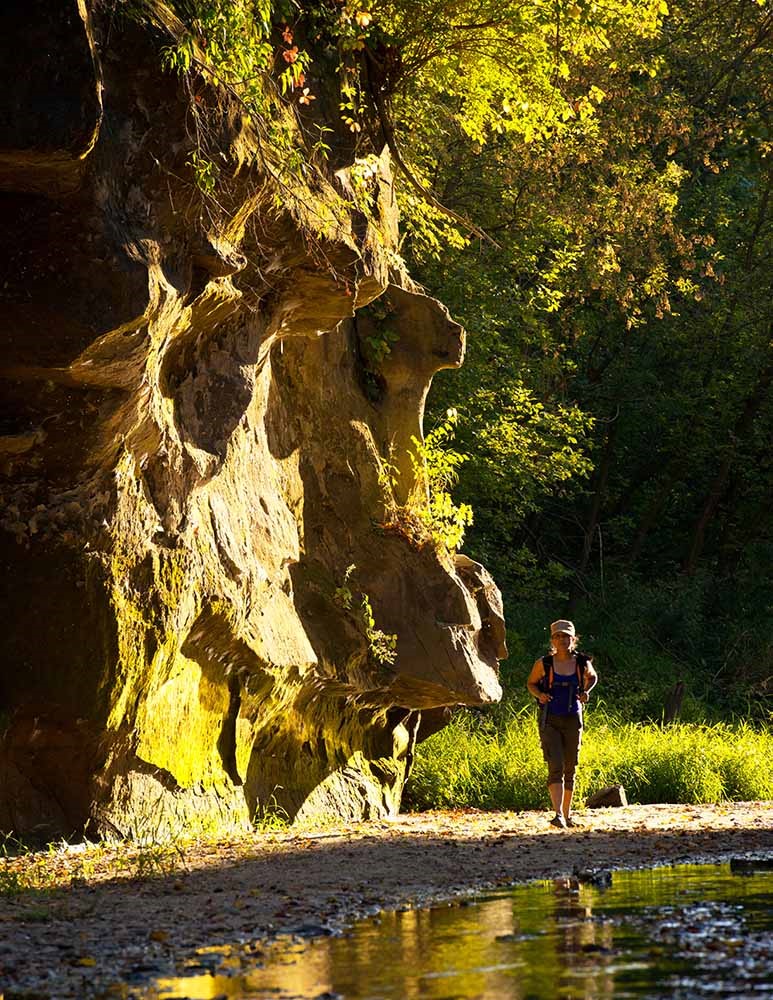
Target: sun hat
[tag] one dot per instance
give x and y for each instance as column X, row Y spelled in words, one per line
column 562, row 625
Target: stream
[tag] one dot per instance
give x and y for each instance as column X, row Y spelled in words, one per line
column 686, row 931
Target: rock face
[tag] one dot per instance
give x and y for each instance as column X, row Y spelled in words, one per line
column 198, row 589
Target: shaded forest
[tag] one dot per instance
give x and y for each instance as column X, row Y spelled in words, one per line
column 615, row 405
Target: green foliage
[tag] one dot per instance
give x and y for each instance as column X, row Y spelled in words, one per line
column 205, row 172
column 13, row 883
column 519, row 450
column 363, row 174
column 476, row 762
column 343, row 595
column 645, row 636
column 270, row 817
column 435, row 467
column 377, row 345
column 429, row 515
column 229, row 40
column 382, row 646
column 499, row 67
column 514, row 75
column 497, row 764
column 237, row 50
column 153, row 858
column 251, row 48
column 21, row 869
column 629, row 297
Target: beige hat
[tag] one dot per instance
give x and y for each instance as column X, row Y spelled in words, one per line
column 562, row 626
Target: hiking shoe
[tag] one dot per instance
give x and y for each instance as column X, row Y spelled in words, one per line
column 558, row 821
column 572, row 822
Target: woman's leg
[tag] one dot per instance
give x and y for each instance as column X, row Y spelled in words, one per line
column 571, row 748
column 553, row 752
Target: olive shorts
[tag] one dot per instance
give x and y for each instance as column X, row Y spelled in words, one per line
column 561, row 737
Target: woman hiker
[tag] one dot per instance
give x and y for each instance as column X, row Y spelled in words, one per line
column 561, row 682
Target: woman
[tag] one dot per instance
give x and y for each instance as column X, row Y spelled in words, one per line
column 561, row 683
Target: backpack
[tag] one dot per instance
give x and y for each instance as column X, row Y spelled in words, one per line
column 546, row 683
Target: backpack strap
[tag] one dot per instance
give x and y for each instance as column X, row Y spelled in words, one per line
column 547, row 665
column 547, row 681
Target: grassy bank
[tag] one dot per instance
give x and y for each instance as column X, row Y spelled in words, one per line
column 475, row 762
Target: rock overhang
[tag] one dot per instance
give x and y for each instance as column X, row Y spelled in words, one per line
column 191, row 469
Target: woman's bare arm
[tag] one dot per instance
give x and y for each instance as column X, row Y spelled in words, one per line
column 536, row 675
column 591, row 680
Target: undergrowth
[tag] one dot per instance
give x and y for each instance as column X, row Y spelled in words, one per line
column 477, row 763
column 24, row 871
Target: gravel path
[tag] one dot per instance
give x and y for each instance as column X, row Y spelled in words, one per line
column 108, row 916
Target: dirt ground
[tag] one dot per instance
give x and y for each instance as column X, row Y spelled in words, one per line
column 107, row 921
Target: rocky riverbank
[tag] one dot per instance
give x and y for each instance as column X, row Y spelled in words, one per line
column 82, row 921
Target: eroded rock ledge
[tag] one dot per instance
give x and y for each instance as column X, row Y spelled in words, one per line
column 191, row 462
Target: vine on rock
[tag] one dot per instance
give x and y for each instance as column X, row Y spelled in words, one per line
column 382, row 646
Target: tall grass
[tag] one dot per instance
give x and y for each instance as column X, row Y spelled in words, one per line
column 478, row 763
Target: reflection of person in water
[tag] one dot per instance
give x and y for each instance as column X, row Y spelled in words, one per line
column 570, row 912
column 583, row 945
column 561, row 682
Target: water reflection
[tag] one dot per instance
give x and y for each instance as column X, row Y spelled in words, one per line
column 687, row 931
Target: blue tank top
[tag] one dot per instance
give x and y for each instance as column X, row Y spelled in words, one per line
column 565, row 691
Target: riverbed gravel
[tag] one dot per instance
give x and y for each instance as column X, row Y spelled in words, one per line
column 91, row 921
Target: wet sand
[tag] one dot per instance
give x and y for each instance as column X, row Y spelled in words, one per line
column 115, row 918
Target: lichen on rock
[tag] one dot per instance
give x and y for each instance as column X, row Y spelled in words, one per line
column 190, row 463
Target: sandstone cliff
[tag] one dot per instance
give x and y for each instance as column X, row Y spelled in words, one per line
column 197, row 571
